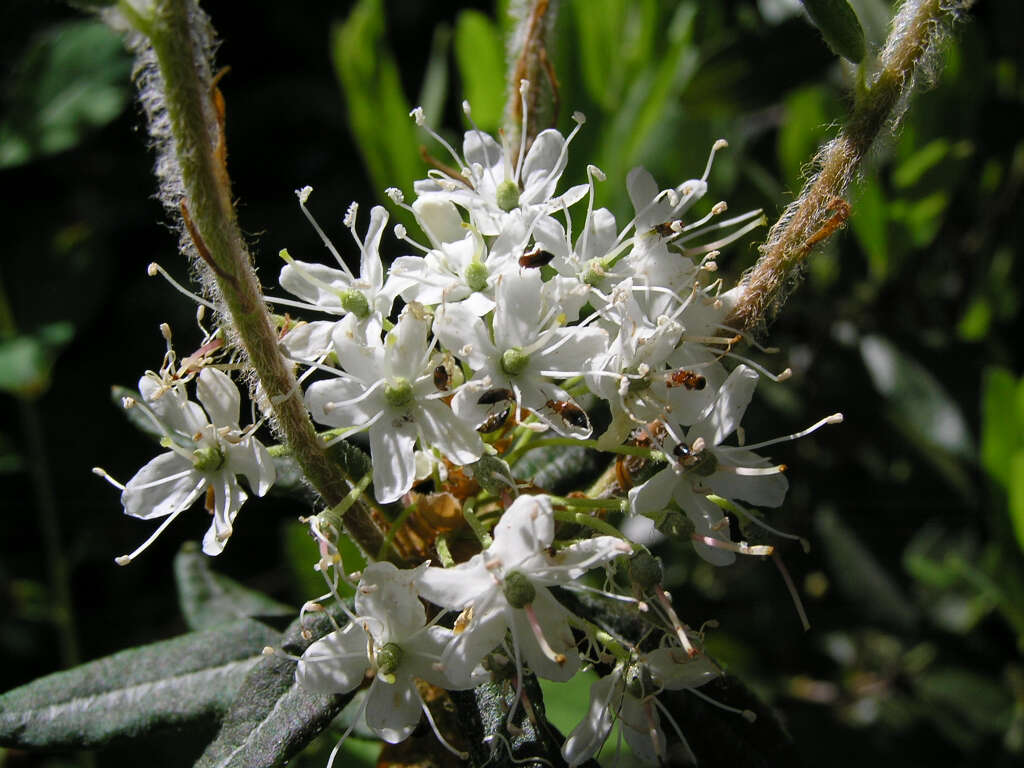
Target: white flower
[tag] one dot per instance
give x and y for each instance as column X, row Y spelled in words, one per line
column 700, row 464
column 338, row 291
column 627, row 696
column 521, row 353
column 389, row 389
column 495, row 190
column 389, row 638
column 207, row 451
column 505, row 587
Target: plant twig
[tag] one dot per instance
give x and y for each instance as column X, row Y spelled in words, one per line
column 186, row 112
column 916, row 30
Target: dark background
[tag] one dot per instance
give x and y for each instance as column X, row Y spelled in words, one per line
column 903, row 663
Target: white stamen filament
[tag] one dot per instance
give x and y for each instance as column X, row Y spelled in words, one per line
column 835, row 418
column 726, row 240
column 155, row 269
column 303, row 195
column 739, row 547
column 189, row 500
column 538, row 632
column 106, row 476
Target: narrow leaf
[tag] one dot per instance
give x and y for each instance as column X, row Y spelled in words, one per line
column 479, row 54
column 378, row 110
column 840, row 27
column 1016, row 490
column 273, row 717
column 208, row 599
column 154, row 687
column 1000, row 433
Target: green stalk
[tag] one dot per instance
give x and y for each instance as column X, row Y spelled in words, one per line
column 916, row 29
column 179, row 35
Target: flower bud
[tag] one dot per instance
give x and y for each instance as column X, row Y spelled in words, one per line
column 645, row 570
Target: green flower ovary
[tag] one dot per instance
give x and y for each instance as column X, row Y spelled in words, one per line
column 476, row 276
column 507, row 195
column 518, row 590
column 355, row 302
column 398, row 392
column 514, row 361
column 209, row 458
column 388, row 658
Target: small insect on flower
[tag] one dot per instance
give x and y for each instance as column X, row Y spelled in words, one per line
column 442, row 378
column 685, row 378
column 695, row 459
column 536, row 258
column 494, row 421
column 571, row 413
column 495, row 396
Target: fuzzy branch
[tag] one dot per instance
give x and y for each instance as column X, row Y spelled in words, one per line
column 174, row 43
column 908, row 55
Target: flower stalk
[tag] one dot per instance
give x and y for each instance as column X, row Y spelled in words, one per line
column 178, row 33
column 916, row 30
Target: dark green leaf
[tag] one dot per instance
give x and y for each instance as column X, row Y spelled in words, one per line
column 208, row 599
column 1016, row 493
column 272, row 717
column 859, row 576
column 480, row 57
column 71, row 81
column 484, row 712
column 558, row 468
column 1000, row 425
column 164, row 685
column 26, row 360
column 840, row 27
column 917, row 400
column 377, row 108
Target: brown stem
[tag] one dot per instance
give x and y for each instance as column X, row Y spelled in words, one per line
column 179, row 35
column 916, row 29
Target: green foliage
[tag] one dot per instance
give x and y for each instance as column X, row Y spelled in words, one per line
column 208, row 599
column 273, row 717
column 27, row 360
column 378, row 111
column 479, row 52
column 168, row 684
column 71, row 81
column 840, row 27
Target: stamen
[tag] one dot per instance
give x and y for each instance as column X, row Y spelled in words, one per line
column 434, row 728
column 777, row 378
column 739, row 547
column 691, row 234
column 418, row 115
column 791, row 588
column 748, row 715
column 303, row 195
column 106, row 476
column 125, row 559
column 154, row 269
column 524, row 89
column 753, row 471
column 718, row 145
column 835, row 418
column 718, row 244
column 677, row 626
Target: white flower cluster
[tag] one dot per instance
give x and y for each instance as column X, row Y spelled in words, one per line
column 520, row 316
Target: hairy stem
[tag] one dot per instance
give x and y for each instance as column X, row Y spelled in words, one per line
column 529, row 60
column 916, row 29
column 180, row 38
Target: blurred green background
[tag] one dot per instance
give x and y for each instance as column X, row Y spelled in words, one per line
column 907, row 322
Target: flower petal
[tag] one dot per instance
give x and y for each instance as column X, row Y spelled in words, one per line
column 443, row 430
column 673, row 669
column 219, row 396
column 228, row 499
column 589, row 736
column 165, row 484
column 393, row 710
column 336, row 663
column 762, row 490
column 392, row 441
column 730, row 405
column 527, row 527
column 390, row 594
column 456, row 587
column 554, row 623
